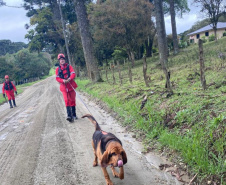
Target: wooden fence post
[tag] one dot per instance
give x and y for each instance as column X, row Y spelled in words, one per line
column 106, row 72
column 202, row 66
column 145, row 71
column 119, row 72
column 113, row 74
column 130, row 73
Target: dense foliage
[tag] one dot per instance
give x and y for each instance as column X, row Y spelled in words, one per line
column 24, row 65
column 6, row 46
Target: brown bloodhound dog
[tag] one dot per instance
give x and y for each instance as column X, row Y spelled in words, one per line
column 108, row 149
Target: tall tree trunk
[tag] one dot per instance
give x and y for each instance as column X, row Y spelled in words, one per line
column 64, row 33
column 174, row 27
column 215, row 32
column 162, row 43
column 87, row 42
column 202, row 66
column 148, row 46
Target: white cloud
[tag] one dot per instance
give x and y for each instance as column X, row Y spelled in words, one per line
column 12, row 21
column 183, row 24
column 187, row 21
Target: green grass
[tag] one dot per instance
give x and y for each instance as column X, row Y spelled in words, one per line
column 196, row 130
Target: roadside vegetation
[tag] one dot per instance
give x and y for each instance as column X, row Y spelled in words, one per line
column 189, row 126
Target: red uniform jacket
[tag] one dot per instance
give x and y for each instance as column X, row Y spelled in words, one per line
column 9, row 89
column 66, row 87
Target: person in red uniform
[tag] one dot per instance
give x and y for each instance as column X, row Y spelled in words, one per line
column 65, row 75
column 9, row 88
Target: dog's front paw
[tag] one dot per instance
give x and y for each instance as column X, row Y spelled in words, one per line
column 115, row 174
column 95, row 164
column 109, row 182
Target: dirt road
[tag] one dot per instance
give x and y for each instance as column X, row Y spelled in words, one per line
column 38, row 146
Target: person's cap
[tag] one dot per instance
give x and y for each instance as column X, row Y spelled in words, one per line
column 6, row 77
column 60, row 56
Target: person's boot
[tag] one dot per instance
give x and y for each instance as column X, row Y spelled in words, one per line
column 69, row 114
column 14, row 103
column 10, row 103
column 73, row 108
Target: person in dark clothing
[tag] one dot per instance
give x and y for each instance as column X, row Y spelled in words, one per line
column 8, row 89
column 65, row 75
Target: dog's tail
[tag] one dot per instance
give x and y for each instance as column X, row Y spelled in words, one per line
column 92, row 119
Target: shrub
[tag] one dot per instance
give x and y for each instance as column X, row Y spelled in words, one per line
column 204, row 39
column 224, row 34
column 211, row 38
column 154, row 50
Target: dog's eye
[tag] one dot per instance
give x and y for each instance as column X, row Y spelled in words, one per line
column 113, row 153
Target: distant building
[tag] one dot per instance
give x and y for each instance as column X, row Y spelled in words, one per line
column 207, row 31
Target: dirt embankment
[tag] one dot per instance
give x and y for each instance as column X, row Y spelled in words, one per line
column 38, row 146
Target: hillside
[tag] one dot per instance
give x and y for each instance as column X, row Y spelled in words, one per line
column 189, row 126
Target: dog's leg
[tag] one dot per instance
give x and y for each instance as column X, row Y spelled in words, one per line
column 107, row 178
column 95, row 162
column 121, row 173
column 115, row 173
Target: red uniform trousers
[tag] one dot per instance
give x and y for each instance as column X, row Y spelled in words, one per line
column 10, row 94
column 69, row 98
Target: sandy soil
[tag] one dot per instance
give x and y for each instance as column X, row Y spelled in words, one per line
column 38, row 146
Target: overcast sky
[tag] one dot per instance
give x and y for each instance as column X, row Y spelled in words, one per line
column 12, row 21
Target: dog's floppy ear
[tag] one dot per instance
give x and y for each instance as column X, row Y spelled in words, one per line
column 124, row 157
column 105, row 160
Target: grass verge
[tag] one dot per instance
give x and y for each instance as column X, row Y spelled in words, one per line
column 191, row 122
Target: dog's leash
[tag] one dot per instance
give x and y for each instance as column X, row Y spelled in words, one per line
column 80, row 98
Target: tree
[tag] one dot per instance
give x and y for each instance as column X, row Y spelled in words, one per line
column 162, row 43
column 6, row 46
column 126, row 24
column 174, row 27
column 213, row 10
column 64, row 32
column 46, row 29
column 87, row 42
column 175, row 6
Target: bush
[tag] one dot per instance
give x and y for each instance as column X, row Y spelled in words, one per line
column 154, row 50
column 211, row 38
column 224, row 34
column 183, row 44
column 204, row 39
